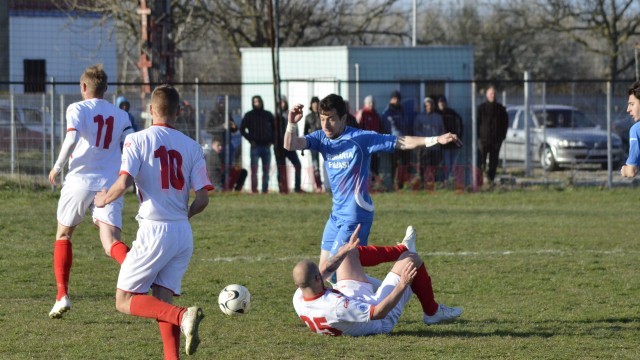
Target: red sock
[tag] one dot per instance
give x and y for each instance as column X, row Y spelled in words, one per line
column 119, row 251
column 62, row 258
column 424, row 291
column 373, row 255
column 150, row 307
column 170, row 339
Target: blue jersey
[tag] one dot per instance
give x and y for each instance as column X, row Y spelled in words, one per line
column 634, row 145
column 347, row 161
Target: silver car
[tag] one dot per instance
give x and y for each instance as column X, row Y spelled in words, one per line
column 559, row 135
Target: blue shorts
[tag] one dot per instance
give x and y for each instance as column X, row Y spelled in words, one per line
column 337, row 233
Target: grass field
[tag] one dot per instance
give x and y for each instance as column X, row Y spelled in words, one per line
column 541, row 274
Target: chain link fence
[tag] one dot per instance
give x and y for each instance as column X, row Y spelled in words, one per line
column 574, row 133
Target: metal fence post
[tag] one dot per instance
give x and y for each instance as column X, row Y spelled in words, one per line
column 474, row 139
column 527, row 135
column 44, row 132
column 62, row 132
column 609, row 147
column 52, row 137
column 197, row 112
column 13, row 130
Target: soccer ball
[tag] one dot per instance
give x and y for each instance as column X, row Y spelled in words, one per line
column 234, row 300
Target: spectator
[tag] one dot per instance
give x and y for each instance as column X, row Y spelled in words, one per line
column 351, row 120
column 311, row 124
column 492, row 130
column 123, row 104
column 217, row 127
column 452, row 123
column 395, row 122
column 283, row 154
column 428, row 123
column 224, row 177
column 368, row 119
column 186, row 120
column 258, row 127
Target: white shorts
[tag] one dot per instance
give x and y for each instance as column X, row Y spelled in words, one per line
column 159, row 256
column 364, row 292
column 74, row 202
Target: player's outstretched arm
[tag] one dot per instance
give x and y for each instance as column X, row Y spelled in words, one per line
column 333, row 263
column 105, row 197
column 291, row 139
column 381, row 310
column 413, row 142
column 629, row 171
column 199, row 203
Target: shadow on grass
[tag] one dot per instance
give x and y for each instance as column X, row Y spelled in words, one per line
column 542, row 329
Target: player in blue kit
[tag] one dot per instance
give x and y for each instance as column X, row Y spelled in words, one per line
column 630, row 168
column 347, row 154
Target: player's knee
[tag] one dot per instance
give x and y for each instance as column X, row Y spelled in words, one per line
column 413, row 257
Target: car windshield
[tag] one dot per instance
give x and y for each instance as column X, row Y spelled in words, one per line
column 568, row 118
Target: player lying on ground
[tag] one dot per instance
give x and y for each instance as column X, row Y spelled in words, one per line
column 353, row 308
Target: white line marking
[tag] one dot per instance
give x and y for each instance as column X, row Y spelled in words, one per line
column 438, row 253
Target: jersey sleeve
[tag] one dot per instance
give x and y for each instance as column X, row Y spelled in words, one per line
column 313, row 140
column 634, row 145
column 199, row 175
column 376, row 142
column 73, row 118
column 131, row 157
column 350, row 310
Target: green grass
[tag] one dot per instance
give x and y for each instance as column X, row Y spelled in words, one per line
column 544, row 274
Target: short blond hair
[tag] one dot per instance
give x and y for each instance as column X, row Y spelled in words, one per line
column 95, row 78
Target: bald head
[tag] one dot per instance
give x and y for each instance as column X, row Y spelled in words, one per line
column 305, row 273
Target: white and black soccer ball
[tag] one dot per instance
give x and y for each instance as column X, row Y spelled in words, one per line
column 234, row 300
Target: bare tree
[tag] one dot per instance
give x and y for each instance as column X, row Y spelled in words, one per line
column 602, row 27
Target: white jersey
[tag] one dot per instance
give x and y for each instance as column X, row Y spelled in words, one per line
column 165, row 164
column 101, row 128
column 332, row 313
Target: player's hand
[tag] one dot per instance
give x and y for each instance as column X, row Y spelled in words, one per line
column 408, row 273
column 295, row 114
column 353, row 240
column 449, row 137
column 100, row 200
column 52, row 176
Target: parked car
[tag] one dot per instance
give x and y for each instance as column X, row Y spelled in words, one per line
column 559, row 135
column 621, row 127
column 31, row 133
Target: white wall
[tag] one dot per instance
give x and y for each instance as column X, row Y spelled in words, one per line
column 68, row 46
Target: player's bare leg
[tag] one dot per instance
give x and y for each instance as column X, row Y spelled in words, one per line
column 110, row 238
column 62, row 260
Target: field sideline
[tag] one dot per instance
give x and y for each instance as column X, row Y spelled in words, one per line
column 540, row 273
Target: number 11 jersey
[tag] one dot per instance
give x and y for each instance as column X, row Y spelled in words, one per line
column 101, row 128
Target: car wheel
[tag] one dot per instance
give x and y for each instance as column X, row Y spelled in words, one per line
column 547, row 161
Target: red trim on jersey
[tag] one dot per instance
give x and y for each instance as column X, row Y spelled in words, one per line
column 124, row 172
column 71, row 129
column 209, row 188
column 371, row 311
column 164, row 125
column 315, row 297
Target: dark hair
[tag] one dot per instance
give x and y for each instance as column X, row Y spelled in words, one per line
column 333, row 102
column 315, row 99
column 635, row 89
column 165, row 100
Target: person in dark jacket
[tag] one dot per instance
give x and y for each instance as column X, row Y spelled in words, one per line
column 396, row 122
column 452, row 123
column 258, row 127
column 311, row 124
column 492, row 130
column 283, row 154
